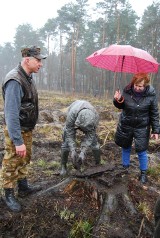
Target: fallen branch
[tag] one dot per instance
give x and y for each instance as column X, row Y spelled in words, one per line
column 105, row 139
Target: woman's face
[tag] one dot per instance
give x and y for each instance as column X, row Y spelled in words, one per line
column 139, row 87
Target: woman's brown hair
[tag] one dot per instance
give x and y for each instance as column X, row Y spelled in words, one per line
column 139, row 77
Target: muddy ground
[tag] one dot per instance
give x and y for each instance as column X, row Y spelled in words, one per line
column 103, row 201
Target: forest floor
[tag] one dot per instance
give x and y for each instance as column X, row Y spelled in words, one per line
column 104, row 201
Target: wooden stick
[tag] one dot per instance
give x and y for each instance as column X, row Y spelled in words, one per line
column 140, row 229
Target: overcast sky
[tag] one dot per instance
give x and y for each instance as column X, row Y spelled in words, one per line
column 36, row 13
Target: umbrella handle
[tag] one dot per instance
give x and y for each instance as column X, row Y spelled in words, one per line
column 119, row 79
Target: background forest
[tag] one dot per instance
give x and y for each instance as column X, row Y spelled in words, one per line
column 77, row 32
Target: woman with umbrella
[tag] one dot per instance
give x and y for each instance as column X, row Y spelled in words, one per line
column 138, row 118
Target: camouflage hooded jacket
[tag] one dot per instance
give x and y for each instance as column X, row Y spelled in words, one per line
column 81, row 115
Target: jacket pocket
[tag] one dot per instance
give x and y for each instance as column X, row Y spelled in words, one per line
column 123, row 137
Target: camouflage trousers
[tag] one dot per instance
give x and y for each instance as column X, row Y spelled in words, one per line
column 15, row 167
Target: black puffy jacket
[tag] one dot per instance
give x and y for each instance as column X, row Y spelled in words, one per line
column 138, row 116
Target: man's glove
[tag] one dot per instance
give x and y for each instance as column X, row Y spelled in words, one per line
column 82, row 156
column 78, row 163
column 74, row 157
column 80, row 160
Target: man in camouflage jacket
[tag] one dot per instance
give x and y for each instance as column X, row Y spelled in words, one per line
column 83, row 116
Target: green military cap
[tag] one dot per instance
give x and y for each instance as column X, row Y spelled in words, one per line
column 32, row 51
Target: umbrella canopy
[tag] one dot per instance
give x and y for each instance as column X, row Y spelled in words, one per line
column 123, row 58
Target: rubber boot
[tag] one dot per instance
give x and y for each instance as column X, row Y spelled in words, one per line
column 64, row 160
column 11, row 201
column 25, row 189
column 97, row 155
column 143, row 176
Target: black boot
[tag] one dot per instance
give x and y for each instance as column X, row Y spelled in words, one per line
column 143, row 176
column 11, row 201
column 97, row 155
column 64, row 160
column 25, row 189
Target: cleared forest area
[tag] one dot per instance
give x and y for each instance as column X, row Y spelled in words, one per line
column 103, row 201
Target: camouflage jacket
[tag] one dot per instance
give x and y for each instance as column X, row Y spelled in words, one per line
column 81, row 115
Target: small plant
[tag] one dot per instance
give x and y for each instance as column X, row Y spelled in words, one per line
column 66, row 214
column 143, row 207
column 42, row 163
column 154, row 171
column 81, row 229
column 48, row 172
column 54, row 164
column 103, row 162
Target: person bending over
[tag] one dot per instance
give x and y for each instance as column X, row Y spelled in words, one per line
column 81, row 116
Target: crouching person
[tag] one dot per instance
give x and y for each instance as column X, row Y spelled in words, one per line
column 21, row 114
column 81, row 116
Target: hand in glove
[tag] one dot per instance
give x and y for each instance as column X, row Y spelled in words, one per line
column 78, row 163
column 80, row 160
column 82, row 156
column 74, row 157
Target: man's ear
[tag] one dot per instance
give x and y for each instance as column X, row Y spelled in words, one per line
column 27, row 59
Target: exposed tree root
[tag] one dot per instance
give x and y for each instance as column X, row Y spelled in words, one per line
column 56, row 188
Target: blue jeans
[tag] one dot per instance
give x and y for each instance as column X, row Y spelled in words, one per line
column 142, row 156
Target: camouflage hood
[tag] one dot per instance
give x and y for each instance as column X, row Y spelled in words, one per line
column 86, row 120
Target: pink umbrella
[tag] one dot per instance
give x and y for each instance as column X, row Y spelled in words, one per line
column 123, row 58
